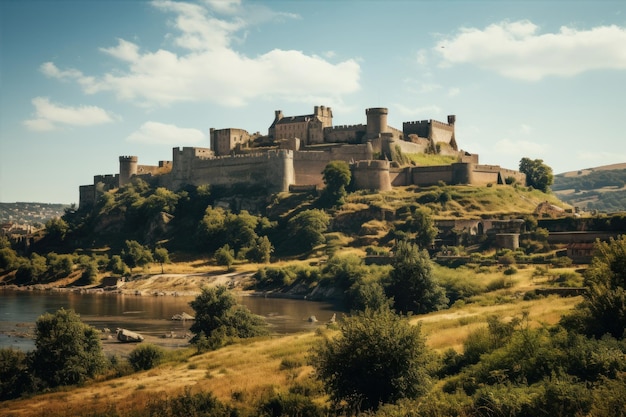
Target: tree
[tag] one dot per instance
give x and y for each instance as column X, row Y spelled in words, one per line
column 15, row 380
column 117, row 265
column 307, row 228
column 218, row 315
column 422, row 224
column 57, row 228
column 411, row 282
column 225, row 256
column 378, row 358
column 261, row 251
column 603, row 310
column 67, row 351
column 162, row 256
column 136, row 255
column 336, row 177
column 145, row 357
column 538, row 174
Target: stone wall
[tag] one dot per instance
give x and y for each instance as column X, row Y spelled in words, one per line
column 272, row 170
column 371, row 175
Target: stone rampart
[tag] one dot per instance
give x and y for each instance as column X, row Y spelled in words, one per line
column 371, row 175
column 272, row 170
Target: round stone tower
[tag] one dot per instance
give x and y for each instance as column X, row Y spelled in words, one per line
column 128, row 168
column 376, row 121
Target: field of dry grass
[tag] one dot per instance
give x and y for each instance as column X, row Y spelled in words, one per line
column 246, row 372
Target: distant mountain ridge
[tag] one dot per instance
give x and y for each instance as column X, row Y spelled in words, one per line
column 600, row 188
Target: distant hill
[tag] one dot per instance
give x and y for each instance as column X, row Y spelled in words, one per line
column 601, row 188
column 30, row 213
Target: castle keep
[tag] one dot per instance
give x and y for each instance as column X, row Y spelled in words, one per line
column 296, row 150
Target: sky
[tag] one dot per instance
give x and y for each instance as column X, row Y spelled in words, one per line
column 83, row 82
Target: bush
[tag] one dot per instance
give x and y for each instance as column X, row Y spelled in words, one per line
column 15, row 379
column 379, row 358
column 67, row 351
column 290, row 404
column 145, row 357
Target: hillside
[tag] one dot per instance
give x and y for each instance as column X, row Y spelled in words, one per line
column 601, row 188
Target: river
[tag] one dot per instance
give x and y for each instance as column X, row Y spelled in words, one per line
column 148, row 315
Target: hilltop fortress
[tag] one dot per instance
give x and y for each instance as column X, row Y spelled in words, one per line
column 296, row 150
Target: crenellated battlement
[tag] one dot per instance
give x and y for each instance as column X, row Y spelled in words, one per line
column 297, row 149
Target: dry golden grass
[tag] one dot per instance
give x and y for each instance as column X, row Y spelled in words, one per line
column 244, row 373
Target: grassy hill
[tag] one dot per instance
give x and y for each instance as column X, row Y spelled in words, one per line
column 601, row 188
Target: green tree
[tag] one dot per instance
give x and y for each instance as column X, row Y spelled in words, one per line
column 378, row 358
column 67, row 351
column 117, row 265
column 307, row 228
column 162, row 256
column 603, row 310
column 8, row 259
column 538, row 174
column 218, row 315
column 15, row 378
column 421, row 223
column 57, row 228
column 135, row 254
column 145, row 357
column 211, row 231
column 336, row 177
column 225, row 256
column 411, row 282
column 261, row 251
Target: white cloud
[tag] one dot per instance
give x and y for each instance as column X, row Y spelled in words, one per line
column 50, row 116
column 224, row 6
column 517, row 50
column 453, row 91
column 155, row 133
column 210, row 69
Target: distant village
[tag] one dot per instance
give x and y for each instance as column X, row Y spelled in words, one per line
column 19, row 219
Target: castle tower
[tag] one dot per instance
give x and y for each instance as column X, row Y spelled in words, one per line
column 376, row 121
column 128, row 168
column 451, row 122
column 325, row 114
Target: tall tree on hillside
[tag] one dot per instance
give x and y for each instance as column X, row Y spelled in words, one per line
column 538, row 174
column 136, row 255
column 411, row 282
column 337, row 177
column 162, row 256
column 603, row 310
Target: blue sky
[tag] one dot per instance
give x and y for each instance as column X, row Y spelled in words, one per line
column 83, row 82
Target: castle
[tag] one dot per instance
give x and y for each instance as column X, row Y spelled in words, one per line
column 296, row 150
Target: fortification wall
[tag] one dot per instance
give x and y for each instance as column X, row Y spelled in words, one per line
column 272, row 170
column 431, row 129
column 407, row 147
column 154, row 169
column 109, row 181
column 345, row 134
column 309, row 164
column 371, row 175
column 426, row 176
column 400, row 177
column 86, row 195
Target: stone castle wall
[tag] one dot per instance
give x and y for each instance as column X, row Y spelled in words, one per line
column 272, row 170
column 371, row 175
